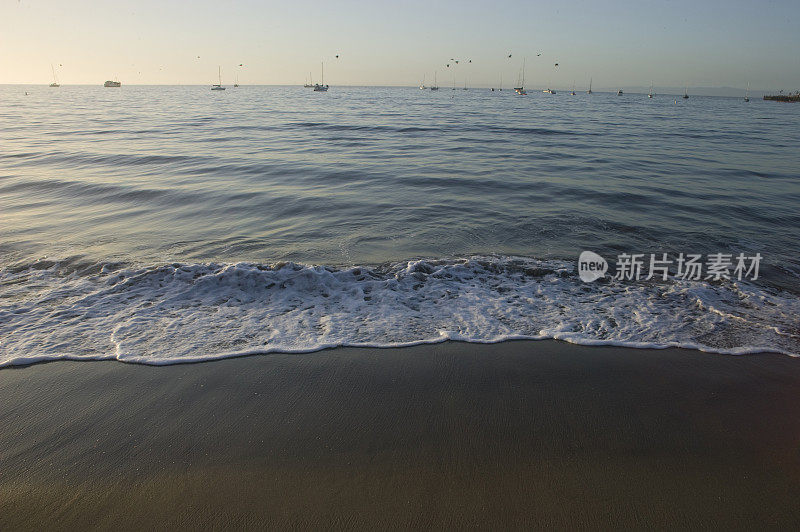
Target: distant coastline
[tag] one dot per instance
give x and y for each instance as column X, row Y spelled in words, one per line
column 720, row 92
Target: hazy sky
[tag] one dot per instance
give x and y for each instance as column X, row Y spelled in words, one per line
column 621, row 43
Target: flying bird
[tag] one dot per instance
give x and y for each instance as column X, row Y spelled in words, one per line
column 470, row 60
column 448, row 65
column 556, row 64
column 509, row 55
column 240, row 64
column 537, row 55
column 337, row 56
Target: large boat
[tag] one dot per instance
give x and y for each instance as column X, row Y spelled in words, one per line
column 112, row 84
column 521, row 81
column 55, row 80
column 321, row 87
column 218, row 86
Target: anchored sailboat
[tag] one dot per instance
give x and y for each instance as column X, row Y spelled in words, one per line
column 686, row 93
column 422, row 86
column 650, row 94
column 747, row 93
column 55, row 80
column 590, row 86
column 521, row 81
column 434, row 87
column 218, row 86
column 321, row 87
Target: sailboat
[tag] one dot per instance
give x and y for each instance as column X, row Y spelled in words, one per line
column 747, row 93
column 55, row 80
column 218, row 86
column 590, row 86
column 422, row 86
column 686, row 93
column 434, row 87
column 650, row 94
column 310, row 82
column 236, row 82
column 465, row 85
column 521, row 89
column 321, row 87
column 573, row 88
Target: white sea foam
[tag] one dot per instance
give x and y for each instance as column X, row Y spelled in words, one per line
column 186, row 313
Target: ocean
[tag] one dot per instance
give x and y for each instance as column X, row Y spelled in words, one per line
column 162, row 225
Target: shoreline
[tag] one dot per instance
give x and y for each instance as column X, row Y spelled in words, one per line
column 515, row 434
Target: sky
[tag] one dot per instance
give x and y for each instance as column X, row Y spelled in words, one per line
column 699, row 43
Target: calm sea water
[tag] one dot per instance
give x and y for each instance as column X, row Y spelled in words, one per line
column 169, row 224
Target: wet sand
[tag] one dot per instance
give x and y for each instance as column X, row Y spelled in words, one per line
column 518, row 434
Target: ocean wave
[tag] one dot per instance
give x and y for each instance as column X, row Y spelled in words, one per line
column 176, row 313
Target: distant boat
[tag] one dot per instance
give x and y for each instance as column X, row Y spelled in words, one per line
column 218, row 86
column 310, row 83
column 650, row 94
column 686, row 93
column 747, row 93
column 434, row 87
column 236, row 81
column 321, row 87
column 619, row 92
column 55, row 80
column 590, row 86
column 549, row 91
column 465, row 85
column 112, row 84
column 521, row 80
column 422, row 86
column 573, row 88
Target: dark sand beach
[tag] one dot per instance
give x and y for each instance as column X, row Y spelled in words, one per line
column 518, row 434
